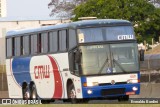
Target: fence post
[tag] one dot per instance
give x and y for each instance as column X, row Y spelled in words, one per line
column 149, row 72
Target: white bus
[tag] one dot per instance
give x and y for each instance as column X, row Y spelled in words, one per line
column 76, row 61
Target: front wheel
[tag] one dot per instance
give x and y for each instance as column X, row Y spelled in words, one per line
column 72, row 94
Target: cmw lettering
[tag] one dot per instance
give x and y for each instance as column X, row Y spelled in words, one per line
column 41, row 71
column 124, row 37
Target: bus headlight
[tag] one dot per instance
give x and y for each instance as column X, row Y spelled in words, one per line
column 135, row 88
column 90, row 84
column 133, row 81
column 89, row 91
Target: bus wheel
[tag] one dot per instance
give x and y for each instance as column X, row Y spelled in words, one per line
column 123, row 98
column 25, row 93
column 72, row 94
column 33, row 93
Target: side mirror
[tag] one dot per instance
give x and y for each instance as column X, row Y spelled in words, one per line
column 71, row 63
column 141, row 53
column 78, row 56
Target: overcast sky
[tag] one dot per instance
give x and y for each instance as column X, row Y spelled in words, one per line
column 29, row 8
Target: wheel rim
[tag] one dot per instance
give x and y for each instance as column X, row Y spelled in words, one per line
column 34, row 95
column 72, row 94
column 26, row 95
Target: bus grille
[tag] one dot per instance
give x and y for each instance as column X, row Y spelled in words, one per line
column 117, row 83
column 114, row 91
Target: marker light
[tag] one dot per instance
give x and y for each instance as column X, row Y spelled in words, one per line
column 90, row 84
column 133, row 81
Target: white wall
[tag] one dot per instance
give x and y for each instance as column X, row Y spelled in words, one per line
column 3, row 8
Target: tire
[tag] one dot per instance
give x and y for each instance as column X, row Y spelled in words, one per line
column 123, row 98
column 25, row 93
column 72, row 94
column 33, row 95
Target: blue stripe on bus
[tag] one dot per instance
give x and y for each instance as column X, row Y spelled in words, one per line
column 21, row 70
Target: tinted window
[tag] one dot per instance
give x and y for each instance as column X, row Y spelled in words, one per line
column 44, row 42
column 53, row 41
column 72, row 38
column 34, row 44
column 17, row 46
column 105, row 34
column 26, row 45
column 62, row 40
column 9, row 47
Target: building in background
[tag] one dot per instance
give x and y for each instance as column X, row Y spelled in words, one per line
column 3, row 8
column 8, row 24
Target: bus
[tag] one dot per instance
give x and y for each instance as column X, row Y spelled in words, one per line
column 76, row 62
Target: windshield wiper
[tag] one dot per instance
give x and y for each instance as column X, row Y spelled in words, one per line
column 119, row 65
column 106, row 62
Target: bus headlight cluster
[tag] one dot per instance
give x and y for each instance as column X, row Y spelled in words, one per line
column 134, row 88
column 89, row 91
column 133, row 81
column 90, row 84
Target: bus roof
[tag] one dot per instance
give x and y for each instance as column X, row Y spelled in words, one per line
column 78, row 24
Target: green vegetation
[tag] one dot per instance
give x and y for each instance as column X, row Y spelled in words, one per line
column 144, row 16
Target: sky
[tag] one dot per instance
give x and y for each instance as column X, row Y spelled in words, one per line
column 28, row 8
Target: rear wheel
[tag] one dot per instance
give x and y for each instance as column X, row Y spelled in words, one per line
column 25, row 93
column 33, row 95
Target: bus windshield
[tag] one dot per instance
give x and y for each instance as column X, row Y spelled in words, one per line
column 105, row 34
column 109, row 58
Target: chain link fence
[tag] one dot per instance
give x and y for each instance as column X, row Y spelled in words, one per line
column 150, row 68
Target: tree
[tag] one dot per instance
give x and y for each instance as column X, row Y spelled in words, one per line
column 141, row 13
column 63, row 9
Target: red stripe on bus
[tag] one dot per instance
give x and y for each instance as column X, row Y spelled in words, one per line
column 57, row 79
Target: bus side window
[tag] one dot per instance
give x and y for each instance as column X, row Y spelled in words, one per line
column 34, row 48
column 9, row 47
column 44, row 42
column 62, row 36
column 26, row 45
column 17, row 46
column 53, row 41
column 72, row 38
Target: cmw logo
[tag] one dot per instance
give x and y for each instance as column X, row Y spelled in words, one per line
column 124, row 37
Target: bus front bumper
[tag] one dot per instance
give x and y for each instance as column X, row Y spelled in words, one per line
column 111, row 90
